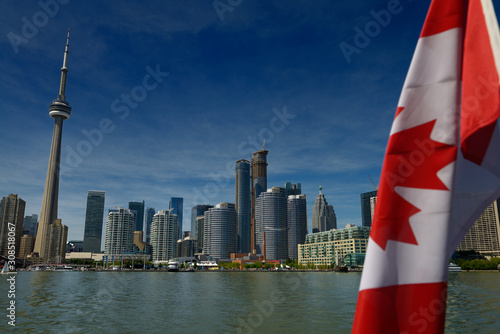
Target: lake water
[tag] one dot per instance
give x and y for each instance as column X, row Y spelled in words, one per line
column 219, row 302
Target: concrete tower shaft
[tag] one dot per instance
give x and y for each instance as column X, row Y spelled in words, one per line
column 259, row 184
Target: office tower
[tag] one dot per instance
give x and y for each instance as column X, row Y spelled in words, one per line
column 11, row 223
column 200, row 232
column 220, row 231
column 60, row 110
column 94, row 217
column 243, row 205
column 297, row 223
column 196, row 211
column 187, row 247
column 150, row 212
column 271, row 224
column 259, row 184
column 293, row 189
column 26, row 247
column 324, row 218
column 57, row 236
column 164, row 235
column 138, row 207
column 177, row 206
column 484, row 235
column 31, row 224
column 120, row 227
column 368, row 201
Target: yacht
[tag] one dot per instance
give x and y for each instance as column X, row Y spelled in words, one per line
column 453, row 268
column 173, row 266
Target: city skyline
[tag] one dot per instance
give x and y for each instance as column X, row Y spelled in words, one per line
column 213, row 88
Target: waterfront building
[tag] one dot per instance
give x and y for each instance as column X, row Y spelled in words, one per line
column 60, row 110
column 220, row 237
column 259, row 184
column 187, row 247
column 484, row 235
column 271, row 224
column 324, row 218
column 138, row 209
column 120, row 227
column 11, row 215
column 176, row 204
column 139, row 244
column 368, row 201
column 347, row 246
column 57, row 236
column 297, row 223
column 26, row 246
column 200, row 232
column 164, row 235
column 31, row 224
column 94, row 217
column 196, row 211
column 243, row 205
column 293, row 189
column 74, row 246
column 150, row 212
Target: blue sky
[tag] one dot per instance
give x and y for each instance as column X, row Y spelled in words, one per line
column 224, row 79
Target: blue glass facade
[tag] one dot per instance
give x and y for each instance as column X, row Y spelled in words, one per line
column 243, row 205
column 176, row 204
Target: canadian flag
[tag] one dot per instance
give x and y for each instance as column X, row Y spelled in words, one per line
column 441, row 169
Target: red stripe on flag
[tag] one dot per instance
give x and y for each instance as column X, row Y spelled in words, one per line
column 480, row 88
column 442, row 16
column 412, row 308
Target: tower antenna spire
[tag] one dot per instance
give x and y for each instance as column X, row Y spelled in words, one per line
column 64, row 72
column 264, row 145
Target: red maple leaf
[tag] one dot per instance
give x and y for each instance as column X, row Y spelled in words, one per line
column 412, row 160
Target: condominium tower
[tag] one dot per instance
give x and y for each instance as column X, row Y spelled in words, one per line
column 271, row 224
column 259, row 184
column 120, row 228
column 197, row 211
column 243, row 205
column 11, row 223
column 220, row 231
column 138, row 209
column 297, row 223
column 164, row 235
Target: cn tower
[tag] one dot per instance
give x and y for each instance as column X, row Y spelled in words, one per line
column 60, row 111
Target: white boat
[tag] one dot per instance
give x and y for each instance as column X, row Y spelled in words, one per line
column 453, row 268
column 173, row 266
column 4, row 269
column 63, row 268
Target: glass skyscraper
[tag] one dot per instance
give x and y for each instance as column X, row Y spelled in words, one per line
column 138, row 207
column 243, row 205
column 94, row 217
column 176, row 203
column 368, row 201
column 31, row 224
column 297, row 223
column 271, row 224
column 196, row 211
column 150, row 212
